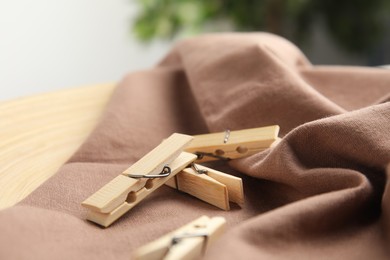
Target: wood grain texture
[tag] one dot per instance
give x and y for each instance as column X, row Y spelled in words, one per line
column 233, row 184
column 39, row 133
column 133, row 198
column 240, row 143
column 202, row 187
column 114, row 193
column 215, row 187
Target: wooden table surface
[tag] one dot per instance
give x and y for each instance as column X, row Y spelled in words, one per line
column 39, row 133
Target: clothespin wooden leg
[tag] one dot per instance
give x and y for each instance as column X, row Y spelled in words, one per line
column 214, row 187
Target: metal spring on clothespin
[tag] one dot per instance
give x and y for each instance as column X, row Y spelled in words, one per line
column 199, row 171
column 227, row 135
column 217, row 156
column 165, row 172
column 177, row 239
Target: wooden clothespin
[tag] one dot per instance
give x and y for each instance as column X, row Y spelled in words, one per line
column 166, row 160
column 233, row 144
column 142, row 178
column 212, row 186
column 187, row 242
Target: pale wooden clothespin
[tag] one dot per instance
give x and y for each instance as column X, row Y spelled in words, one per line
column 215, row 187
column 233, row 144
column 167, row 160
column 212, row 186
column 188, row 242
column 142, row 178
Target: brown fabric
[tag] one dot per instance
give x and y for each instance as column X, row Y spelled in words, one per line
column 321, row 193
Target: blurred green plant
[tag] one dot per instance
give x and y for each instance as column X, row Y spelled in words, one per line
column 355, row 24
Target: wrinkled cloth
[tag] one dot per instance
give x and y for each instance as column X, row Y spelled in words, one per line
column 321, row 193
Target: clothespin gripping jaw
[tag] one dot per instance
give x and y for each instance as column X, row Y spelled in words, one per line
column 128, row 189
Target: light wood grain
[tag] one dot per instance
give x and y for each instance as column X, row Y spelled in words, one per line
column 233, row 184
column 190, row 248
column 114, row 193
column 133, row 198
column 214, row 187
column 239, row 144
column 202, row 187
column 39, row 133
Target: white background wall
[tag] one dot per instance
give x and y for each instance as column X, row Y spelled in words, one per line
column 47, row 45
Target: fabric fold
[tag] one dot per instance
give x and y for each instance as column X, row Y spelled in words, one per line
column 322, row 192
